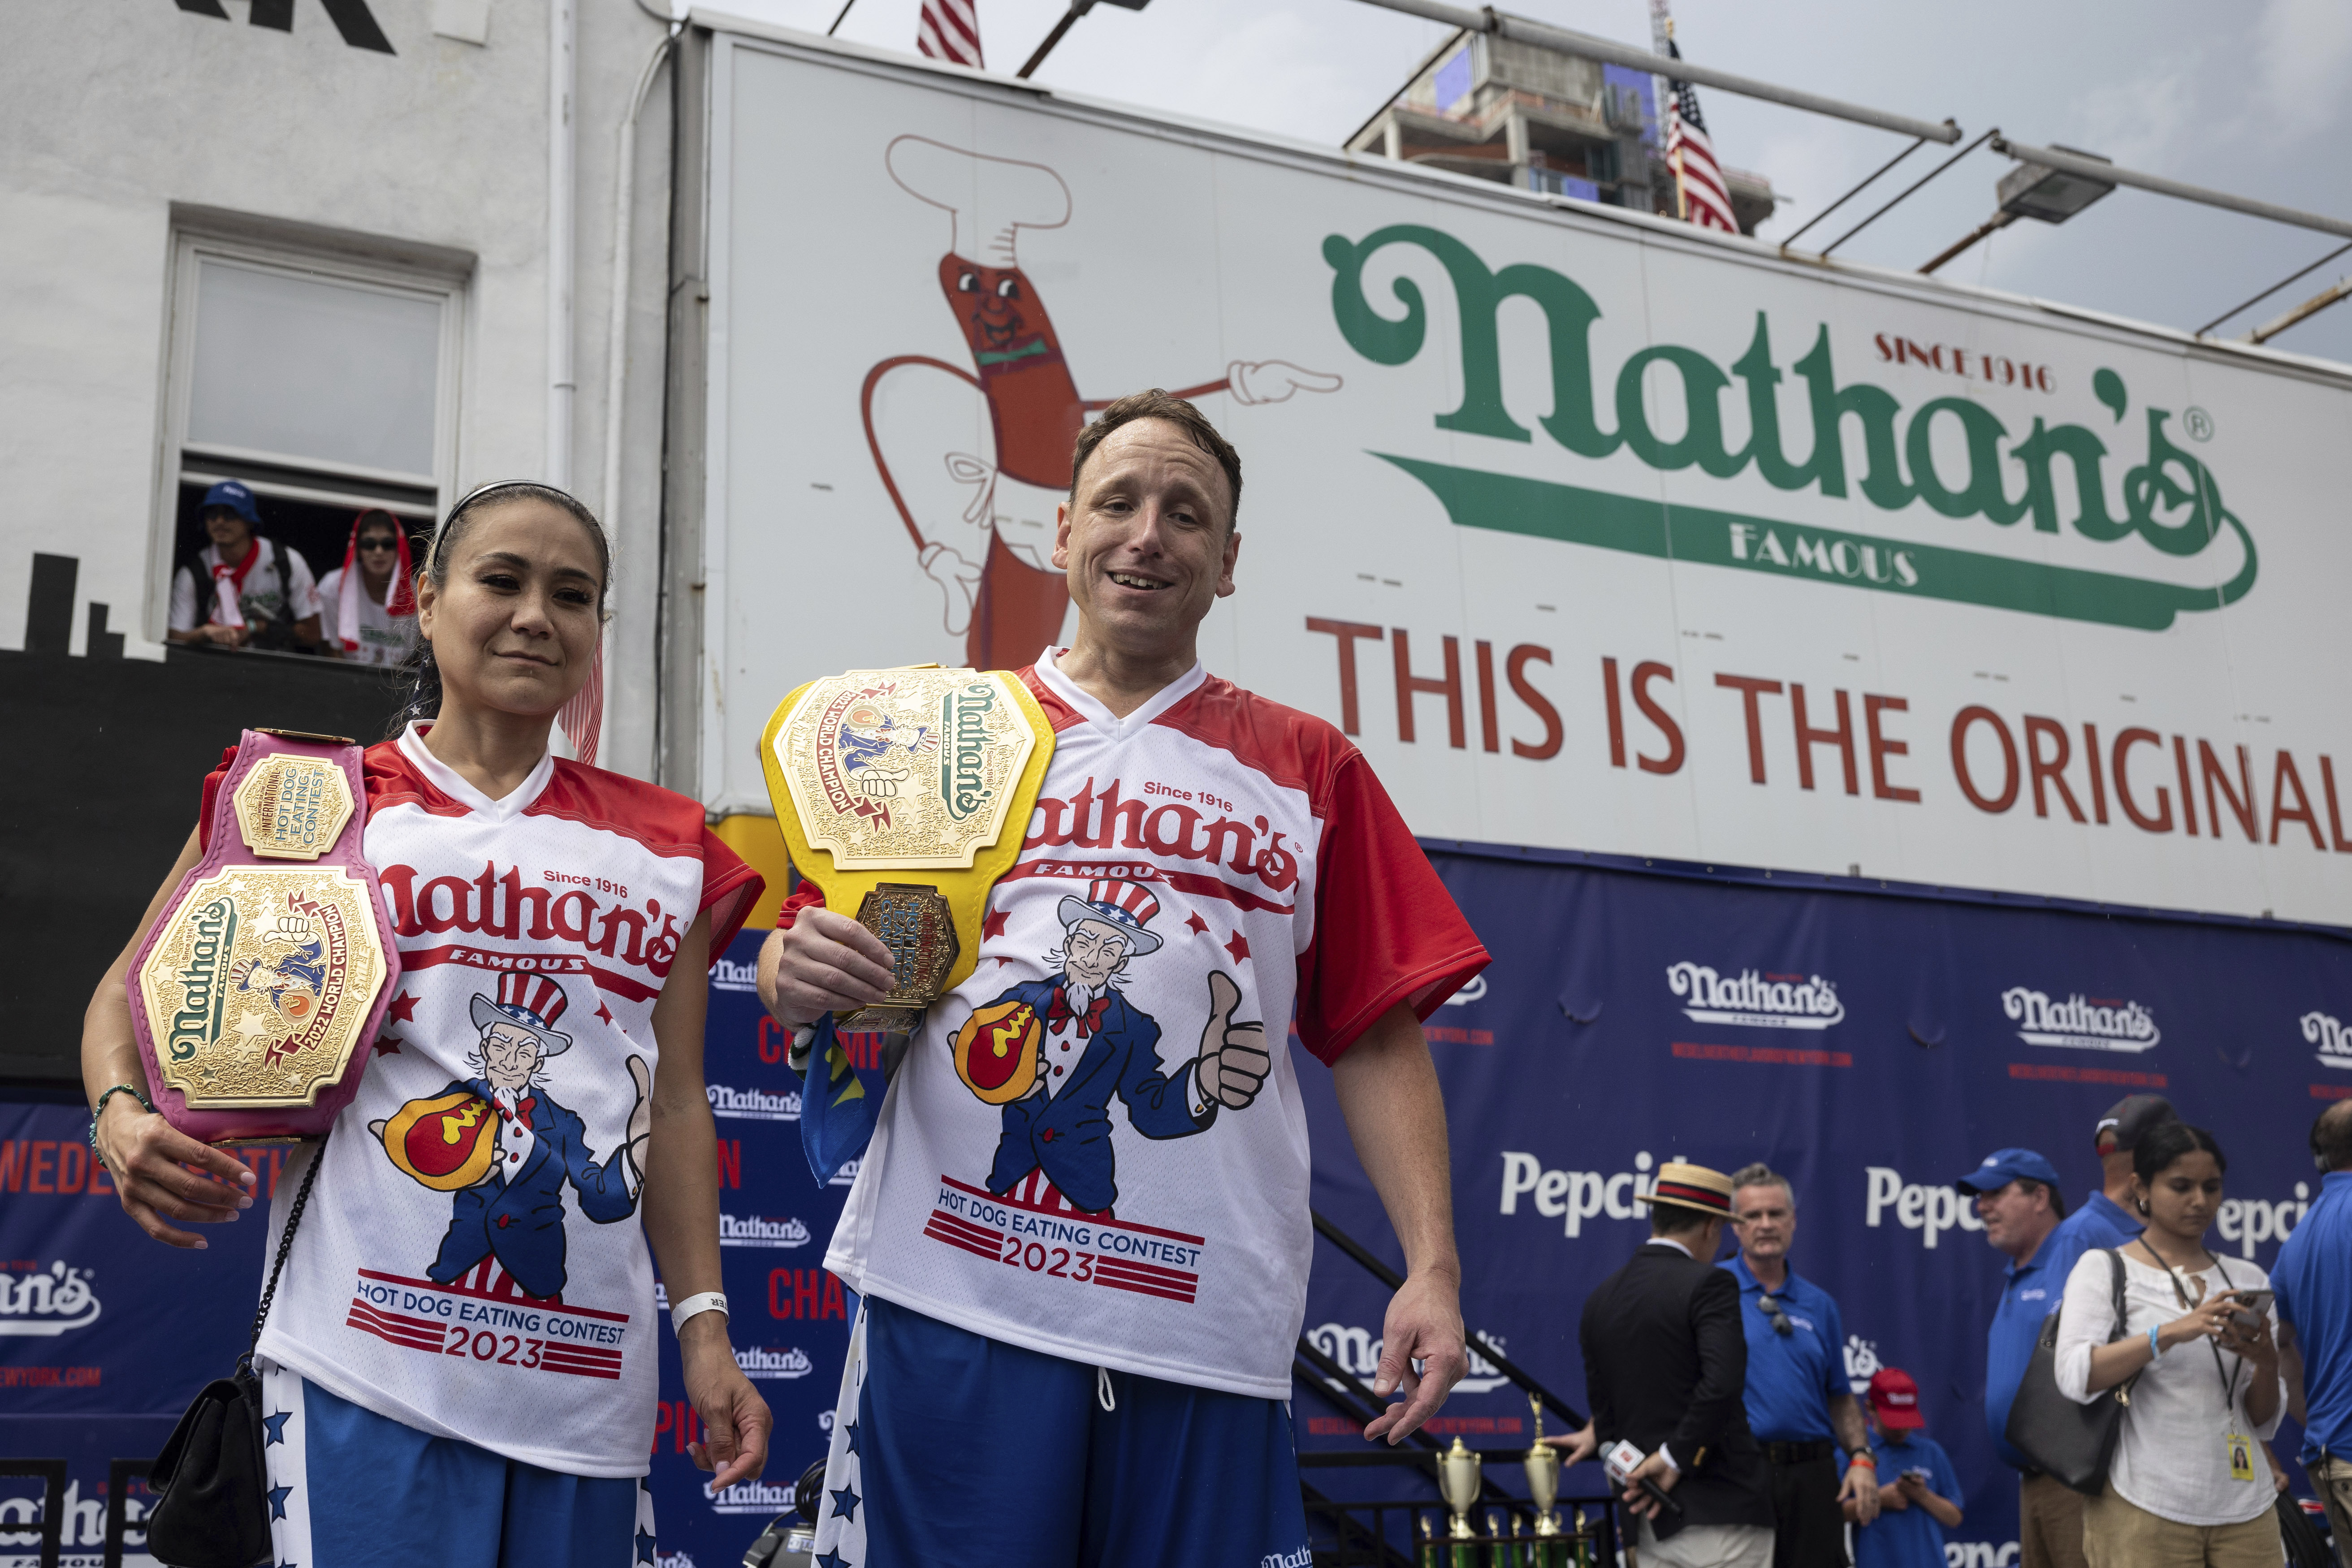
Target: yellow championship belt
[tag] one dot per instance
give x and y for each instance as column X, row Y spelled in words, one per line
column 904, row 794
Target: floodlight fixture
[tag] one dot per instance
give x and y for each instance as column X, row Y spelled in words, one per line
column 2050, row 196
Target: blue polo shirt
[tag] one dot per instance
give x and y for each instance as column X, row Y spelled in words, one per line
column 2035, row 1290
column 1907, row 1537
column 1791, row 1376
column 2313, row 1278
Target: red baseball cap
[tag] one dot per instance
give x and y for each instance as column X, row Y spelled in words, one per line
column 1894, row 1400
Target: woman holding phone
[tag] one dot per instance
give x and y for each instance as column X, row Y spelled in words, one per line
column 2188, row 1485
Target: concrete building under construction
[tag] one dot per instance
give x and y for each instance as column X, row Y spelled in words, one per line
column 1542, row 119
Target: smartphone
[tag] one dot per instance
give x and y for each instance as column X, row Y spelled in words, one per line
column 2255, row 1304
column 1920, row 1471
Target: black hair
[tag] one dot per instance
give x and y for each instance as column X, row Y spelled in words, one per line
column 422, row 702
column 2168, row 1142
column 2331, row 1137
column 1678, row 1219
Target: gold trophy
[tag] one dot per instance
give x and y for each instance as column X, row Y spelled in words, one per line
column 1459, row 1483
column 877, row 774
column 1542, row 1465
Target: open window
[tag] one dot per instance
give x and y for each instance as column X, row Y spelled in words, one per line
column 319, row 369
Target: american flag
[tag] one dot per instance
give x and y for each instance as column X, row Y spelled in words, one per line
column 950, row 31
column 1698, row 178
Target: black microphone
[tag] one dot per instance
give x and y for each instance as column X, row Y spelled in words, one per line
column 1620, row 1461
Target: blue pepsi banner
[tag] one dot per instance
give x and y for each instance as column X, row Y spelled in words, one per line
column 1870, row 1045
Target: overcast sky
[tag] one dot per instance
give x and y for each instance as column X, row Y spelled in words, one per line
column 2246, row 98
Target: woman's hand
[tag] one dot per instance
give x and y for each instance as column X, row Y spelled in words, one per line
column 2207, row 1320
column 735, row 1419
column 2255, row 1345
column 148, row 1157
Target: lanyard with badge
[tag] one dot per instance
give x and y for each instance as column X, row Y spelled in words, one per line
column 2241, row 1451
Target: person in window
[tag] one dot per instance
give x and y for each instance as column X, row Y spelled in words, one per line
column 255, row 592
column 367, row 605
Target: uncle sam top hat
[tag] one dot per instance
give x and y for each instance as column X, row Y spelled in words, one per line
column 533, row 1001
column 1126, row 907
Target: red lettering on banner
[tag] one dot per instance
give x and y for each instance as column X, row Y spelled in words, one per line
column 805, row 1293
column 730, row 1162
column 1514, row 667
column 1777, row 1055
column 1347, row 633
column 1671, row 763
column 2049, row 770
column 2045, row 1072
column 1750, row 688
column 1882, row 746
column 1960, row 724
column 1807, row 738
column 2331, row 1091
column 2282, row 775
column 1408, row 685
column 43, row 1178
column 2162, row 821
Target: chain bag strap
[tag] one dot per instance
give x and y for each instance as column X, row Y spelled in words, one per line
column 212, row 1480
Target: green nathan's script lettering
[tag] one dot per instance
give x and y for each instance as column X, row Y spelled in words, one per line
column 2171, row 500
column 198, row 1021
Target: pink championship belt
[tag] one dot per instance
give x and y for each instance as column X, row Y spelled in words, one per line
column 256, row 993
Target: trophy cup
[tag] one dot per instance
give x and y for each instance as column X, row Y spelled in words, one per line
column 876, row 774
column 1459, row 1483
column 1542, row 1466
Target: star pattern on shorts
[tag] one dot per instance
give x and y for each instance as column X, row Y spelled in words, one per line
column 603, row 1013
column 993, row 925
column 833, row 1560
column 276, row 1427
column 386, row 1046
column 645, row 1547
column 1195, row 924
column 845, row 1504
column 849, row 1439
column 404, row 1010
column 1238, row 947
column 277, row 1495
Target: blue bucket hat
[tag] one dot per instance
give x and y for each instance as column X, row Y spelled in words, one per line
column 2003, row 1166
column 234, row 496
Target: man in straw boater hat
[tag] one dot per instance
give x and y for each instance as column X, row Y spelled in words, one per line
column 1666, row 1366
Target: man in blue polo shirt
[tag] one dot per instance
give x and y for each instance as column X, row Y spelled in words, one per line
column 1800, row 1404
column 2105, row 1218
column 2017, row 1197
column 2313, row 1278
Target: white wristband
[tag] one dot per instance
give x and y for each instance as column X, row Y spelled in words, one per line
column 708, row 1301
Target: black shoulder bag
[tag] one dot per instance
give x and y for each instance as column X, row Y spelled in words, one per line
column 211, row 1507
column 2072, row 1442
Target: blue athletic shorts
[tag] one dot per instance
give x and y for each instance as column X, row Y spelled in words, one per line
column 350, row 1488
column 950, row 1447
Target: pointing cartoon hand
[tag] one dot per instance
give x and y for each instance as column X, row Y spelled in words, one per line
column 877, row 784
column 1233, row 1063
column 1273, row 380
column 641, row 1123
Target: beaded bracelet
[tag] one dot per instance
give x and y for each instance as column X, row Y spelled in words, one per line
column 98, row 1109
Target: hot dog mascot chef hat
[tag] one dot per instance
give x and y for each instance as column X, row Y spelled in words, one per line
column 991, row 199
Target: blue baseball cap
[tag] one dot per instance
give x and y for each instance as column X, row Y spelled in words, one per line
column 234, row 496
column 2003, row 1166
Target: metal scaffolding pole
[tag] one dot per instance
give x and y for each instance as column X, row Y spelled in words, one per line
column 2092, row 169
column 1544, row 36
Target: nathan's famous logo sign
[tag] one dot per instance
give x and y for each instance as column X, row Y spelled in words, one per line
column 2169, row 498
column 2080, row 1023
column 1756, row 1001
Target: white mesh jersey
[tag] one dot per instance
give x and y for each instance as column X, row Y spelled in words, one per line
column 471, row 1262
column 1059, row 1163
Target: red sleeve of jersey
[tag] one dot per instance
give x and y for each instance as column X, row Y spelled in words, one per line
column 213, row 782
column 806, row 895
column 729, row 888
column 1386, row 930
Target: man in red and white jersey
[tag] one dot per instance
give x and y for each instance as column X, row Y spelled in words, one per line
column 1081, row 1227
